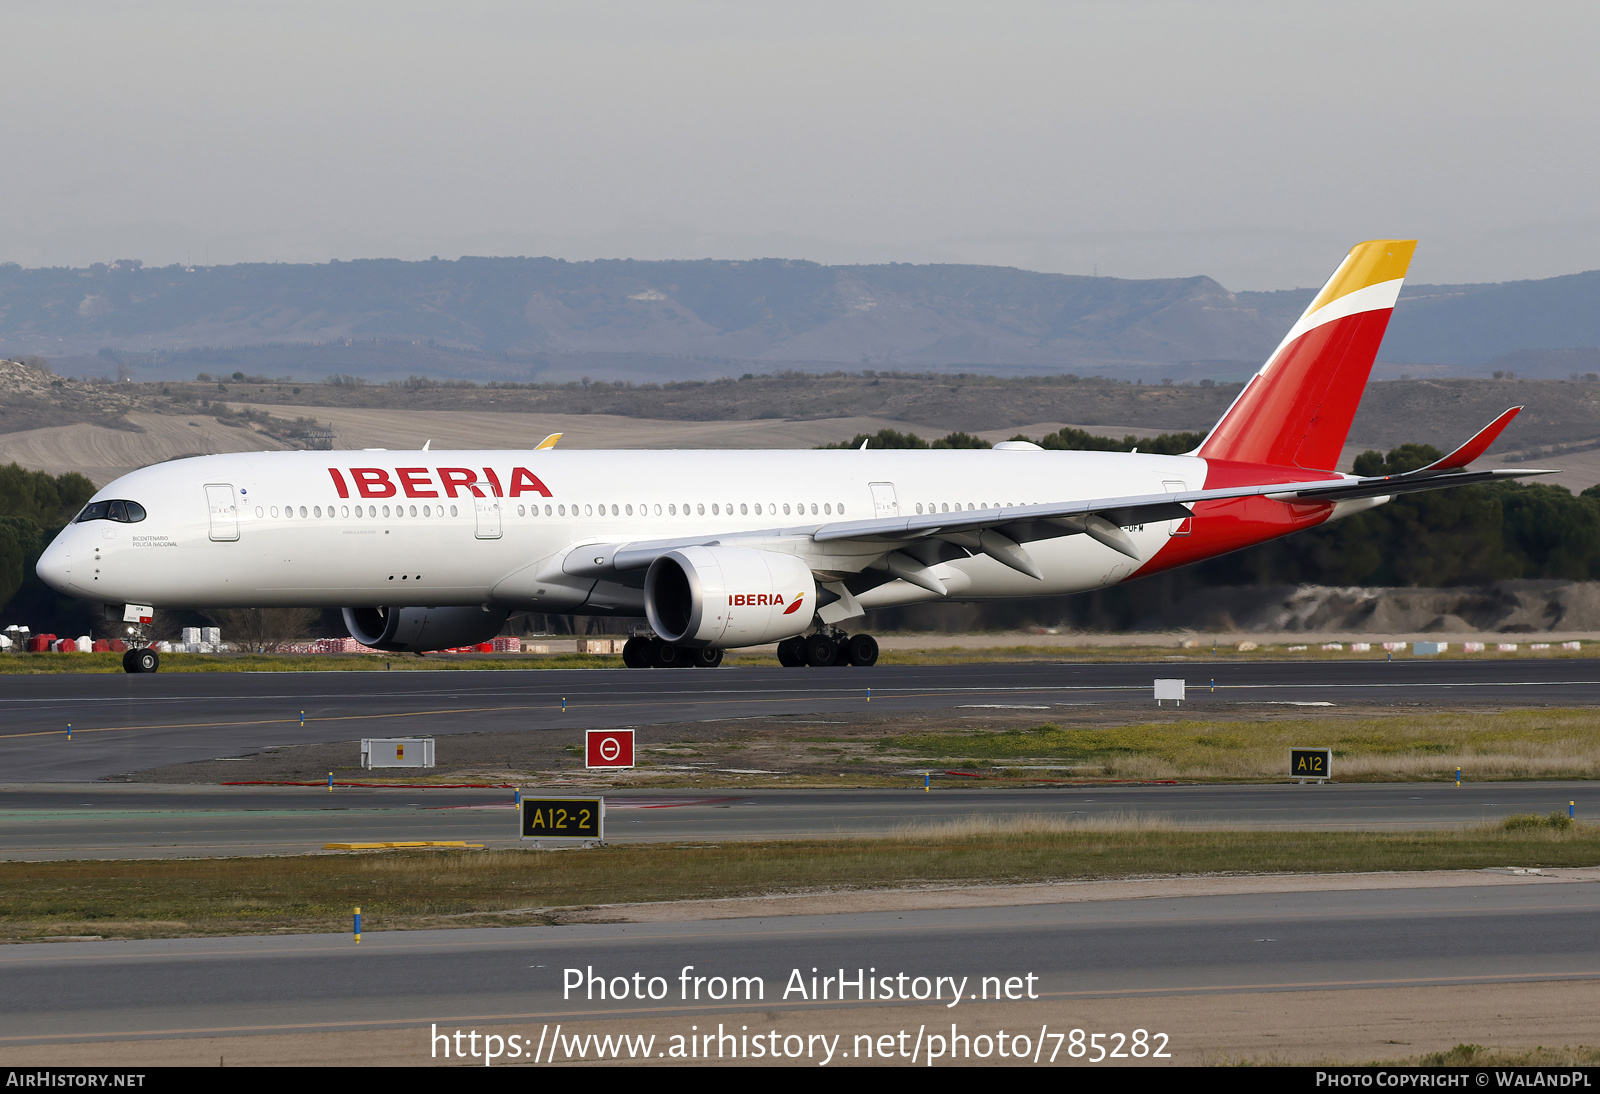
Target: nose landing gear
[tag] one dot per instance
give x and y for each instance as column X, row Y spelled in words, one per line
column 145, row 659
column 139, row 657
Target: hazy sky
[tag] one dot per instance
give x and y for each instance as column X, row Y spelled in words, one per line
column 1250, row 141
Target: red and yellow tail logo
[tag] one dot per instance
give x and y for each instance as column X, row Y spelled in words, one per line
column 790, row 610
column 1297, row 410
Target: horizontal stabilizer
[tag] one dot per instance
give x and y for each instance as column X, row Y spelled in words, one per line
column 1449, row 471
column 1409, row 483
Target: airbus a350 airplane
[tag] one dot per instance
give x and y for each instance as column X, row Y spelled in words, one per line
column 429, row 550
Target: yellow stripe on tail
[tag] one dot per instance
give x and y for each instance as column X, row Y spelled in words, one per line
column 1369, row 263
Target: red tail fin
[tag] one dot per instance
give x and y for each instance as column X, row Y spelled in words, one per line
column 1297, row 410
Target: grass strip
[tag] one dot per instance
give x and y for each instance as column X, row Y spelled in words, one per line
column 25, row 663
column 1517, row 744
column 1467, row 1055
column 399, row 890
column 1462, row 1055
column 46, row 663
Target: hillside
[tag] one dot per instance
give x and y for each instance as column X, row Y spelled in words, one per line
column 528, row 319
column 104, row 428
column 761, row 311
column 1558, row 413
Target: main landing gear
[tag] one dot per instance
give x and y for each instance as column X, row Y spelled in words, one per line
column 823, row 649
column 141, row 660
column 642, row 652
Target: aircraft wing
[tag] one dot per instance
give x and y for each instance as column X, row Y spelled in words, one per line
column 1107, row 516
column 1001, row 531
column 1125, row 512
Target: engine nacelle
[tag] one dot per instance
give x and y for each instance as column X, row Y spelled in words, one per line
column 728, row 596
column 418, row 630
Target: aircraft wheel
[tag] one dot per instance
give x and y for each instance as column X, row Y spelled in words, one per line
column 127, row 661
column 664, row 655
column 791, row 652
column 145, row 660
column 821, row 651
column 705, row 659
column 862, row 649
column 636, row 652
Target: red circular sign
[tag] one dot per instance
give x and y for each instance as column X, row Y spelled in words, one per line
column 609, row 747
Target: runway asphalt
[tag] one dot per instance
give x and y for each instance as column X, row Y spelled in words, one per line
column 131, row 820
column 1076, row 954
column 1470, row 938
column 123, row 723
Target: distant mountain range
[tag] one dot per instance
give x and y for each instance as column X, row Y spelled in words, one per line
column 547, row 319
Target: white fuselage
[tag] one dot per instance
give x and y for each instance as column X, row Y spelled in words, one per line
column 377, row 528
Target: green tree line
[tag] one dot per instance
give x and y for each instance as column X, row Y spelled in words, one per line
column 1467, row 535
column 34, row 506
column 1470, row 535
column 1066, row 439
column 1464, row 536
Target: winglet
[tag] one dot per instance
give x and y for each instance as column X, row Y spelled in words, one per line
column 1476, row 446
column 548, row 442
column 427, row 444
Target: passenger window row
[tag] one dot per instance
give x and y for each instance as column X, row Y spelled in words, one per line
column 698, row 509
column 129, row 512
column 955, row 507
column 316, row 513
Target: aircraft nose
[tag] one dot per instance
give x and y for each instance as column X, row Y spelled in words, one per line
column 55, row 565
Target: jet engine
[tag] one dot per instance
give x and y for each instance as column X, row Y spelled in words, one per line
column 719, row 597
column 418, row 630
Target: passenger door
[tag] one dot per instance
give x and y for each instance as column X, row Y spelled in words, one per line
column 1178, row 527
column 884, row 503
column 488, row 517
column 224, row 511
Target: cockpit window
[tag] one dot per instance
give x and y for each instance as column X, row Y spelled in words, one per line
column 124, row 512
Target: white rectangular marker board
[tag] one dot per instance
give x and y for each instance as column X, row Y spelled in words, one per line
column 396, row 752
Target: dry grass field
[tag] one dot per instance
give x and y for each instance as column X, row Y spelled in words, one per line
column 103, row 453
column 429, row 889
column 988, row 746
column 1524, row 744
